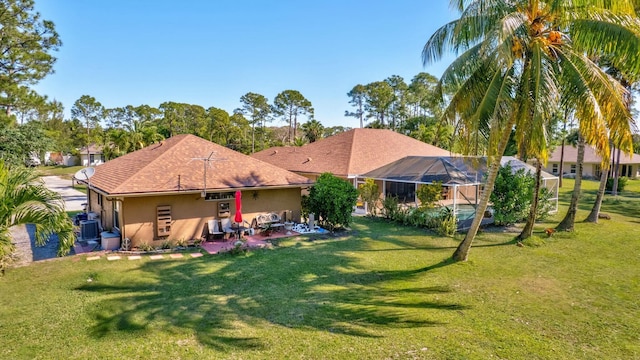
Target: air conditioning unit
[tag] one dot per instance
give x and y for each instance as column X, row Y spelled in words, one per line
column 89, row 230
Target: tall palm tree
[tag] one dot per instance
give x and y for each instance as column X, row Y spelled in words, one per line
column 568, row 222
column 522, row 59
column 312, row 130
column 595, row 210
column 25, row 200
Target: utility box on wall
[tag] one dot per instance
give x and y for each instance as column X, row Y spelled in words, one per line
column 223, row 210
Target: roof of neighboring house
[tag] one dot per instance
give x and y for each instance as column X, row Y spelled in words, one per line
column 93, row 149
column 350, row 153
column 178, row 164
column 590, row 156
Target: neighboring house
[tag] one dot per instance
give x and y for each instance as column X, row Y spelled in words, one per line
column 629, row 165
column 169, row 190
column 348, row 154
column 93, row 157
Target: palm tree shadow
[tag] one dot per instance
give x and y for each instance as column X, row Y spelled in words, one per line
column 274, row 287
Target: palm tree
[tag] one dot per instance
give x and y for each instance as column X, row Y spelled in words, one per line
column 523, row 59
column 567, row 223
column 312, row 130
column 595, row 210
column 25, row 200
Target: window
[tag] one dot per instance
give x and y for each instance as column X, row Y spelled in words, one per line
column 405, row 192
column 219, row 196
column 573, row 168
column 554, row 169
column 116, row 215
column 100, row 200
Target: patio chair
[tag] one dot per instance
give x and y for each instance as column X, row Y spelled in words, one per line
column 226, row 227
column 213, row 230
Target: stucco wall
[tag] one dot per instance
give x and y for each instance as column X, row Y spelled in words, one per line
column 104, row 210
column 590, row 170
column 190, row 213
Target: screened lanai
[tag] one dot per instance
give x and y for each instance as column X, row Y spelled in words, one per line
column 401, row 179
column 461, row 177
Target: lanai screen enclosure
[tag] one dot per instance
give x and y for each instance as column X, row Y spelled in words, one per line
column 462, row 178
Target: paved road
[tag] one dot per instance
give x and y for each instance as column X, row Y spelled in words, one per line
column 24, row 236
column 73, row 199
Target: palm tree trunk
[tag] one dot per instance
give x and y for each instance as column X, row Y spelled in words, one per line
column 569, row 220
column 561, row 170
column 616, row 174
column 533, row 211
column 564, row 139
column 462, row 252
column 595, row 211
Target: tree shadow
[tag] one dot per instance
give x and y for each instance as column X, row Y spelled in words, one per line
column 311, row 288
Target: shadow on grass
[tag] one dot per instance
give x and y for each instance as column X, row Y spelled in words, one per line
column 300, row 287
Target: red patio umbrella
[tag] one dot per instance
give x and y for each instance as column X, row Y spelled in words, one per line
column 238, row 217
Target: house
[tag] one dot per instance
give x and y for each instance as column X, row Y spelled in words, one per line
column 92, row 157
column 348, row 154
column 169, row 190
column 629, row 165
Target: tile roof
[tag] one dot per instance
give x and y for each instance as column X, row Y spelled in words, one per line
column 93, row 149
column 177, row 164
column 349, row 153
column 590, row 156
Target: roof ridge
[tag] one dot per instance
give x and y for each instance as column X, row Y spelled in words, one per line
column 351, row 149
column 149, row 163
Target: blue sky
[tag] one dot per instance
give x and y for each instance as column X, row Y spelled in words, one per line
column 211, row 53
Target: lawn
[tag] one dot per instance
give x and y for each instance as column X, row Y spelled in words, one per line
column 382, row 292
column 59, row 170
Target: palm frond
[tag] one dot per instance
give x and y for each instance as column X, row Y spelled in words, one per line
column 611, row 34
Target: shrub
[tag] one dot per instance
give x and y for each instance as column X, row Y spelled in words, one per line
column 333, row 200
column 145, row 246
column 369, row 193
column 304, row 212
column 429, row 194
column 389, row 207
column 446, row 221
column 182, row 243
column 512, row 195
column 622, row 183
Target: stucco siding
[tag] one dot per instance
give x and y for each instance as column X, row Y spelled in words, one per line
column 190, row 213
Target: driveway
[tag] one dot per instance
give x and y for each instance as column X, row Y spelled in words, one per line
column 24, row 236
column 73, row 199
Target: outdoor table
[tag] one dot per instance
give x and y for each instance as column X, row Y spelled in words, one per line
column 239, row 230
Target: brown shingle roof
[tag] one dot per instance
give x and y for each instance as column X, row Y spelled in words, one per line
column 350, row 153
column 176, row 165
column 590, row 156
column 93, row 149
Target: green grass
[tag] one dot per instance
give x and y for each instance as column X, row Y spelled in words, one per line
column 384, row 292
column 59, row 170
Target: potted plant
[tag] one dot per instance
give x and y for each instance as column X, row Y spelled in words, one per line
column 288, row 225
